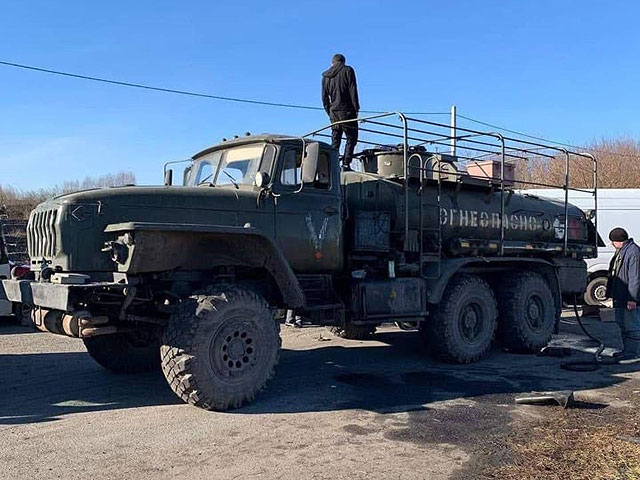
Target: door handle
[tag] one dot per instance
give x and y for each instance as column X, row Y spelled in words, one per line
column 330, row 210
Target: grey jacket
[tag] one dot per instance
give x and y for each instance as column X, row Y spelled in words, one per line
column 624, row 284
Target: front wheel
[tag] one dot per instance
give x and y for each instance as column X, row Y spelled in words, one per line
column 596, row 292
column 220, row 348
column 463, row 324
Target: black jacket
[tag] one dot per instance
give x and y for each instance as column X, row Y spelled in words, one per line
column 624, row 285
column 339, row 89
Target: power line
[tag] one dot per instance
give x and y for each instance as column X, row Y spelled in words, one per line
column 486, row 124
column 185, row 92
column 283, row 105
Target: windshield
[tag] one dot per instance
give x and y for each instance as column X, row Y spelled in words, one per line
column 233, row 166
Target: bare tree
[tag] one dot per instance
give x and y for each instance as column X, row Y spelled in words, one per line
column 618, row 166
column 17, row 204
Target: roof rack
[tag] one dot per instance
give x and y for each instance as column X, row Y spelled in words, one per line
column 472, row 146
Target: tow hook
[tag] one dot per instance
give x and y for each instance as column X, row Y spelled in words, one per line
column 118, row 251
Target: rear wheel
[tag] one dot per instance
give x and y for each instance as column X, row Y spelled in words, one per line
column 463, row 324
column 220, row 348
column 527, row 312
column 131, row 352
column 596, row 292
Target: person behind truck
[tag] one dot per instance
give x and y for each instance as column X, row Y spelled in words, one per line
column 623, row 287
column 340, row 101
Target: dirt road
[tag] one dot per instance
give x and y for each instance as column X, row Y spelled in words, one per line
column 336, row 409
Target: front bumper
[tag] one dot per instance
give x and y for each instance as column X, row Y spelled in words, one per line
column 51, row 296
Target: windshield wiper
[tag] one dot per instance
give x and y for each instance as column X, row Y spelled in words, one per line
column 206, row 180
column 232, row 179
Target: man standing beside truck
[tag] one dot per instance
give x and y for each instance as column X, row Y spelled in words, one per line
column 624, row 288
column 340, row 101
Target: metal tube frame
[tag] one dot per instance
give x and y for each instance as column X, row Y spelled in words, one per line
column 467, row 143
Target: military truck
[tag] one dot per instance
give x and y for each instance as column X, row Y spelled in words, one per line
column 189, row 277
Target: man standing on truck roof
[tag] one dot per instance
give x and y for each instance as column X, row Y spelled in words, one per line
column 624, row 287
column 340, row 101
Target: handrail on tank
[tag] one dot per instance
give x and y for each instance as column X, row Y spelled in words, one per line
column 566, row 201
column 508, row 147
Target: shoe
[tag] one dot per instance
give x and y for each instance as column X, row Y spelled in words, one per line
column 297, row 323
column 623, row 357
column 630, row 350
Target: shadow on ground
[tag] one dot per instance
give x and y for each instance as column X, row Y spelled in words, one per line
column 390, row 374
column 45, row 386
column 398, row 376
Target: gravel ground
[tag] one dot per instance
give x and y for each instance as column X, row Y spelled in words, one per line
column 336, row 409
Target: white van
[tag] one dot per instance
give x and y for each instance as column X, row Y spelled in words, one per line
column 617, row 207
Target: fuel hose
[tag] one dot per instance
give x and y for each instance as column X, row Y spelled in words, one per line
column 586, row 365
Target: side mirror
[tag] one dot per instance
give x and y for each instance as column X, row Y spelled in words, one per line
column 310, row 162
column 168, row 177
column 186, row 174
column 262, row 179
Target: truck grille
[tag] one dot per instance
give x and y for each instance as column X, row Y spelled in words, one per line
column 41, row 233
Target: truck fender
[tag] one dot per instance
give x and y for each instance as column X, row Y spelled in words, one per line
column 153, row 247
column 453, row 266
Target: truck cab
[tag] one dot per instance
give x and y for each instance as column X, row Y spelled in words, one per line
column 299, row 215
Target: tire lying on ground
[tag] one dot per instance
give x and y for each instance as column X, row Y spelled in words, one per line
column 131, row 352
column 354, row 332
column 462, row 326
column 220, row 347
column 527, row 312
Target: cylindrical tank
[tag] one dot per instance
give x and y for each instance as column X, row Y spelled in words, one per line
column 467, row 208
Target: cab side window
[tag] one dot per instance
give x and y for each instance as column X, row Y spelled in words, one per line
column 323, row 171
column 291, row 168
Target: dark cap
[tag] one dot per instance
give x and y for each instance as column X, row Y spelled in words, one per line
column 618, row 234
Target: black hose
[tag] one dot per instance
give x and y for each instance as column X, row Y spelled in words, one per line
column 584, row 366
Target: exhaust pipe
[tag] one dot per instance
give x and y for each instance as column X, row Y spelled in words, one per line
column 78, row 324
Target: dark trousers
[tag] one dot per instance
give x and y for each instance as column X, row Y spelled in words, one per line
column 350, row 130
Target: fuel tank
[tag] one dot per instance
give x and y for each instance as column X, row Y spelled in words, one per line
column 460, row 208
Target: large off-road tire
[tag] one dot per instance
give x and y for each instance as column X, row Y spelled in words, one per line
column 596, row 291
column 126, row 352
column 220, row 348
column 527, row 312
column 354, row 332
column 463, row 324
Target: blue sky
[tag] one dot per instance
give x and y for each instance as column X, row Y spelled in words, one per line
column 564, row 70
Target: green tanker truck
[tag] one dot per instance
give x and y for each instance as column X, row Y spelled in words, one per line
column 188, row 278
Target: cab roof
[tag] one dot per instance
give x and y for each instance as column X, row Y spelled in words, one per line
column 247, row 139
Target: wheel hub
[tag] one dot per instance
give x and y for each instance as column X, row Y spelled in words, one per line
column 534, row 312
column 600, row 293
column 471, row 323
column 233, row 351
column 470, row 320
